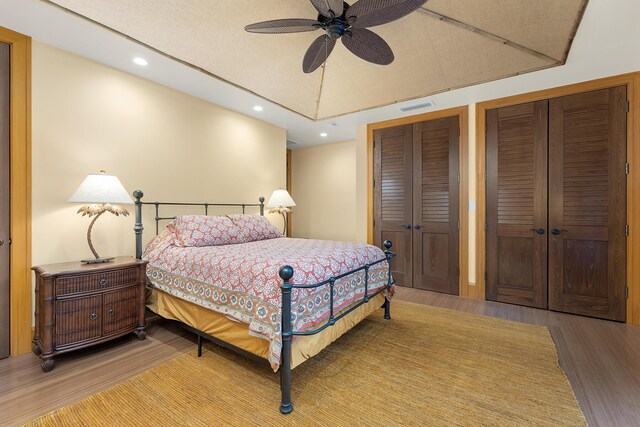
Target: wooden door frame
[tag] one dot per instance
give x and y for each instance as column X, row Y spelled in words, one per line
column 632, row 81
column 288, row 167
column 20, row 146
column 462, row 113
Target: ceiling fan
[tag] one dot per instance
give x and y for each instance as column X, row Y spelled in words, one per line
column 340, row 20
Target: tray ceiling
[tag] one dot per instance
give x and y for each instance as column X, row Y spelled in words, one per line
column 446, row 45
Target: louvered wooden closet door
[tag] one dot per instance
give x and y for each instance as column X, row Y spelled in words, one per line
column 517, row 204
column 435, row 205
column 393, row 190
column 587, row 206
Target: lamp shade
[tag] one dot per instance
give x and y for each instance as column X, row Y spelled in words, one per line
column 280, row 198
column 99, row 188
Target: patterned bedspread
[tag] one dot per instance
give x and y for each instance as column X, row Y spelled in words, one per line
column 241, row 281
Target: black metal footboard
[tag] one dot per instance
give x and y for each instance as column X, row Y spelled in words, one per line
column 286, row 273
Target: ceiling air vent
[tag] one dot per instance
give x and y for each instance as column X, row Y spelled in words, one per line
column 418, row 106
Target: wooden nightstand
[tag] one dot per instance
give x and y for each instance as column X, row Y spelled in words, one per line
column 78, row 305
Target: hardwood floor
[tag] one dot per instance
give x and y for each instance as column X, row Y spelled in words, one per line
column 27, row 393
column 601, row 359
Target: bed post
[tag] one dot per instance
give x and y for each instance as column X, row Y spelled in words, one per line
column 138, row 225
column 387, row 309
column 261, row 205
column 286, row 273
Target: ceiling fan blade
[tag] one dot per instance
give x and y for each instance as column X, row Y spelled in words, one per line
column 369, row 13
column 280, row 26
column 324, row 6
column 368, row 45
column 317, row 53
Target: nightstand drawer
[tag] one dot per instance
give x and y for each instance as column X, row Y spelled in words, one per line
column 119, row 310
column 77, row 320
column 95, row 282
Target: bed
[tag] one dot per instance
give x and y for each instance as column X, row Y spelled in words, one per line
column 235, row 280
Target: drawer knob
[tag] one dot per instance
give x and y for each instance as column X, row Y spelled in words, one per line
column 93, row 316
column 104, row 281
column 111, row 312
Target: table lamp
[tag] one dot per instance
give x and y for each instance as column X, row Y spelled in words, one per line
column 280, row 201
column 99, row 191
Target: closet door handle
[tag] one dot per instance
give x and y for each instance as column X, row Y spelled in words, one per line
column 538, row 230
column 407, row 226
column 555, row 231
column 418, row 227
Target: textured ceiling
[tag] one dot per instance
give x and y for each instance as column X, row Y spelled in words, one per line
column 447, row 44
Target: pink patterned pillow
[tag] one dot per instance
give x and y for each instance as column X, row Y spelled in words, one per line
column 254, row 227
column 203, row 230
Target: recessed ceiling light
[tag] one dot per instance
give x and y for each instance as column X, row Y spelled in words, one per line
column 323, row 134
column 140, row 61
column 257, row 108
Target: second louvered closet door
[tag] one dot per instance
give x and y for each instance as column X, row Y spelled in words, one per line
column 435, row 205
column 587, row 203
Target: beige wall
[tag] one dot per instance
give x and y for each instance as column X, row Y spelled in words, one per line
column 323, row 180
column 88, row 117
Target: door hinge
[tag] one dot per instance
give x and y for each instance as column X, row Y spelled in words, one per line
column 458, row 178
column 626, row 292
column 627, row 106
column 374, row 183
column 626, row 230
column 374, row 222
column 485, row 226
column 626, row 168
column 485, row 176
column 458, row 131
column 458, row 225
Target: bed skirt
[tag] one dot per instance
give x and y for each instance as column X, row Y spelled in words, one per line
column 237, row 333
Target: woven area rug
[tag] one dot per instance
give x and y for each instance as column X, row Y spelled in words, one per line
column 426, row 367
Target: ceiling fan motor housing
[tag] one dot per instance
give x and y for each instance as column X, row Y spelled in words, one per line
column 335, row 29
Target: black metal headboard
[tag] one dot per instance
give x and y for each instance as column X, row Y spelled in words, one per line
column 138, row 228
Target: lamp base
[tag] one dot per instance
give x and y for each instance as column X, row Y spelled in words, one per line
column 97, row 260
